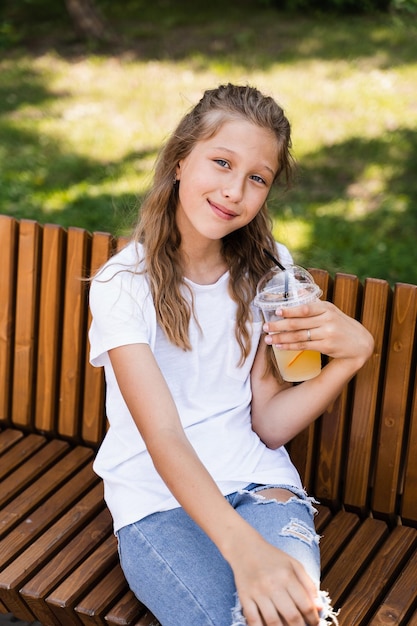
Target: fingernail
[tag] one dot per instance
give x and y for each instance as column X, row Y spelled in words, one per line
column 265, row 328
column 268, row 340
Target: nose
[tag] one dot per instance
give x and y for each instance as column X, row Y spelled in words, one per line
column 234, row 188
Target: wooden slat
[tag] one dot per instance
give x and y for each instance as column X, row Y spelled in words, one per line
column 50, row 327
column 27, row 293
column 8, row 438
column 365, row 417
column 409, row 500
column 371, row 587
column 72, row 554
column 126, row 611
column 395, row 399
column 93, row 422
column 401, row 599
column 335, row 536
column 25, row 475
column 45, row 500
column 50, row 548
column 358, row 552
column 18, row 454
column 74, row 333
column 412, row 621
column 63, row 599
column 110, row 588
column 334, row 420
column 148, row 620
column 302, row 448
column 121, row 242
column 8, row 259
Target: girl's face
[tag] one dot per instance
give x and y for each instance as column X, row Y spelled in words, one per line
column 225, row 180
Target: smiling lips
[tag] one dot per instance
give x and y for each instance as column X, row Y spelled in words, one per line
column 222, row 212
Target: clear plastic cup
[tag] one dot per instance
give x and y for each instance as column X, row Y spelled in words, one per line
column 280, row 289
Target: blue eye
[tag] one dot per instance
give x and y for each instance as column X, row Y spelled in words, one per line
column 222, row 162
column 258, row 179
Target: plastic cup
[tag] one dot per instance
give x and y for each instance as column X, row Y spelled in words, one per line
column 280, row 289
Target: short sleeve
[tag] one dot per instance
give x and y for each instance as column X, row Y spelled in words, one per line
column 122, row 311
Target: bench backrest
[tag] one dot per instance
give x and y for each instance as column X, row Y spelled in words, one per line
column 360, row 453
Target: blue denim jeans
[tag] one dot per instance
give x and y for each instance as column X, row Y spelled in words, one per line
column 179, row 574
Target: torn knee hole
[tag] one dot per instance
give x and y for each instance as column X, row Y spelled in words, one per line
column 297, row 529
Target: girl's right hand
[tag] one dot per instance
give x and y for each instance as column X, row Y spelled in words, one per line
column 273, row 588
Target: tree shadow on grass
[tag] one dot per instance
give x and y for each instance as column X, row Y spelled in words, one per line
column 247, row 34
column 369, row 226
column 41, row 180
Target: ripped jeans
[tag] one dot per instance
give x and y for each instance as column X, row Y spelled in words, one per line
column 179, row 574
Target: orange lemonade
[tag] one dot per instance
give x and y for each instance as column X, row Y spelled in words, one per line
column 298, row 365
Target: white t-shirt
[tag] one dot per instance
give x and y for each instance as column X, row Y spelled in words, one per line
column 211, row 392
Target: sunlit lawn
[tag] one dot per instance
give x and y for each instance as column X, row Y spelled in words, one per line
column 79, row 132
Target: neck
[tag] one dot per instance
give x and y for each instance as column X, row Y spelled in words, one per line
column 203, row 264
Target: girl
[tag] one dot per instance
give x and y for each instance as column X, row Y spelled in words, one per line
column 213, row 525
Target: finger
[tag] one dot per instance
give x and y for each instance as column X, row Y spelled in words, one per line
column 251, row 613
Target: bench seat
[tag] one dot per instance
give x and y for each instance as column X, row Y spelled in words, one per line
column 58, row 555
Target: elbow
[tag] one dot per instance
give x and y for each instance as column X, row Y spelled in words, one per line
column 266, row 435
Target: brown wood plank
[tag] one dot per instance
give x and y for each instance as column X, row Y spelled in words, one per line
column 401, row 599
column 27, row 293
column 43, row 502
column 371, row 587
column 16, row 455
column 412, row 621
column 323, row 517
column 148, row 620
column 8, row 263
column 50, row 327
column 121, row 242
column 409, row 499
column 74, row 333
column 354, row 558
column 126, row 611
column 26, row 474
column 388, row 470
column 333, row 433
column 50, row 548
column 365, row 418
column 63, row 599
column 8, row 438
column 335, row 536
column 54, row 572
column 93, row 422
column 92, row 608
column 46, row 514
column 22, row 536
column 302, row 448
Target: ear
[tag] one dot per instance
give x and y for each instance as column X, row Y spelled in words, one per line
column 178, row 171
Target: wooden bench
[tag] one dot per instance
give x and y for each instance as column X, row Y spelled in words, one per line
column 58, row 556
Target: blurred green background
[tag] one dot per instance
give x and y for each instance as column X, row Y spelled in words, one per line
column 82, row 118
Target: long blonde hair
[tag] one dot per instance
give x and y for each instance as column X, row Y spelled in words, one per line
column 243, row 249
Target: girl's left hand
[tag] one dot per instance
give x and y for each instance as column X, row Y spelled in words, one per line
column 320, row 326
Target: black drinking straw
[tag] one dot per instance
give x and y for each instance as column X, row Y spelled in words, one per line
column 268, row 254
column 281, row 267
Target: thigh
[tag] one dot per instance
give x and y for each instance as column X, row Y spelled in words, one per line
column 286, row 521
column 177, row 571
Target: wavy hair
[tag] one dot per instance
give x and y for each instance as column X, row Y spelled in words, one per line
column 242, row 249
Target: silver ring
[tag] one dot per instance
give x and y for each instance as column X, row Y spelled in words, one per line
column 308, row 335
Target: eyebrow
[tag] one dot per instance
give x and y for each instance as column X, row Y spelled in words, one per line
column 263, row 166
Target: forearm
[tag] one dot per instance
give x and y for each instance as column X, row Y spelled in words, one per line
column 288, row 412
column 191, row 484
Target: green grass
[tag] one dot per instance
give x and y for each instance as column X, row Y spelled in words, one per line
column 80, row 125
